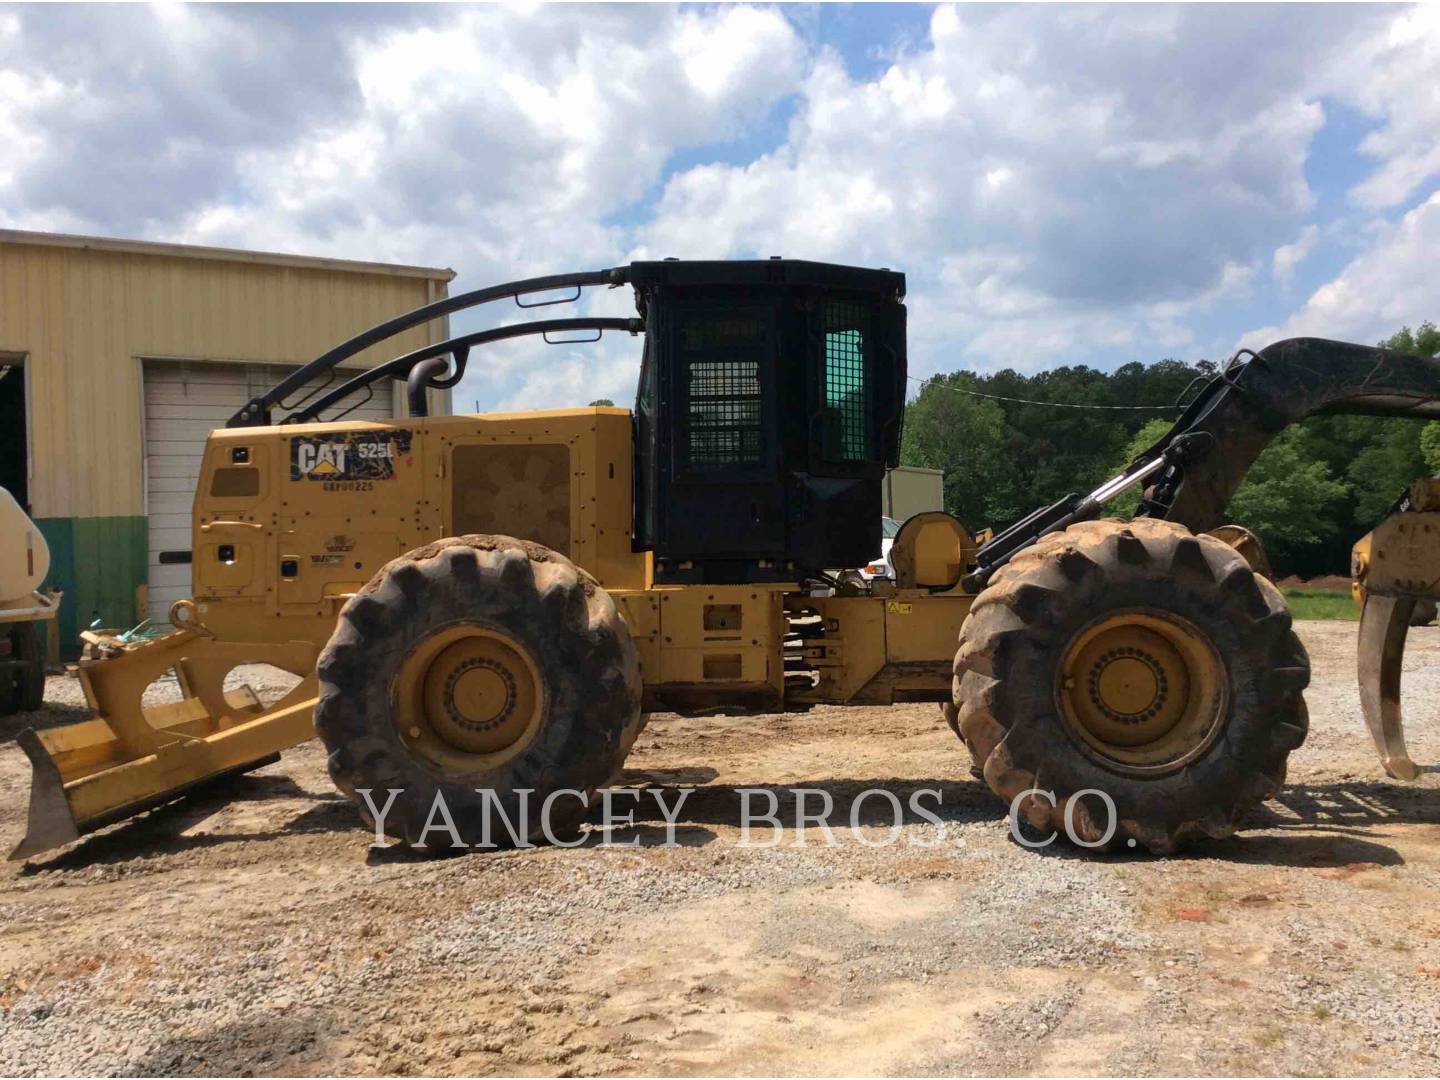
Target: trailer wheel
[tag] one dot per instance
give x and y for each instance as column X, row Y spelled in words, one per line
column 22, row 682
column 1137, row 660
column 474, row 665
column 26, row 644
column 9, row 691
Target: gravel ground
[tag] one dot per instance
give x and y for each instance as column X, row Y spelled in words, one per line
column 258, row 933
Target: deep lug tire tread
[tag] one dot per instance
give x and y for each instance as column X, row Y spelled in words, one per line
column 1014, row 638
column 556, row 610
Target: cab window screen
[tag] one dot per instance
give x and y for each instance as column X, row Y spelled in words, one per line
column 721, row 358
column 848, row 408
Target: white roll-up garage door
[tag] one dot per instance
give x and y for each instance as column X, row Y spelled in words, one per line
column 184, row 402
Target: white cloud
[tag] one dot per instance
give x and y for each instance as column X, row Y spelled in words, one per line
column 507, row 141
column 1395, row 76
column 502, row 142
column 1060, row 183
column 1391, row 285
column 1056, row 182
column 1288, row 256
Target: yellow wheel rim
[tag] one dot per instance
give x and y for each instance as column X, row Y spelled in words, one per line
column 1143, row 691
column 468, row 697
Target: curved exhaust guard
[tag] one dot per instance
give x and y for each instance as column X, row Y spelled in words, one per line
column 1384, row 625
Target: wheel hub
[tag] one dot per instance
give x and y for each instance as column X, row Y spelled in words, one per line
column 1144, row 691
column 467, row 691
column 1127, row 686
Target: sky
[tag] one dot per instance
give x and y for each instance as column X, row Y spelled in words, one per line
column 1060, row 184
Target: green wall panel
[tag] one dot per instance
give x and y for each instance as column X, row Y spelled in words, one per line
column 98, row 562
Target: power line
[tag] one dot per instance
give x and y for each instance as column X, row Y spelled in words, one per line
column 1028, row 401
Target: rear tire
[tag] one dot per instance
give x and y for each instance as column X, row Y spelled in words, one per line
column 1139, row 660
column 478, row 662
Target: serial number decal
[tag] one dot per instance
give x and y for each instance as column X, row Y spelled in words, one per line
column 348, row 461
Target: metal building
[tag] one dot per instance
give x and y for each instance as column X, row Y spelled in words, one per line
column 117, row 357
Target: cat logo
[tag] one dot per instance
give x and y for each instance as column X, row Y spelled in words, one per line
column 321, row 459
column 349, row 460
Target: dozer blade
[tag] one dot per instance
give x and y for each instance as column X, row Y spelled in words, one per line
column 130, row 757
column 1384, row 624
column 52, row 822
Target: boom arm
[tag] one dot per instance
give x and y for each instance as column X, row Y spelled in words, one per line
column 1195, row 468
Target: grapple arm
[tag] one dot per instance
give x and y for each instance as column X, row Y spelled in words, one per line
column 1239, row 411
column 1194, row 469
column 1396, row 569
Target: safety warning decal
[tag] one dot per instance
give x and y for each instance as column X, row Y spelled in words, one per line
column 348, row 460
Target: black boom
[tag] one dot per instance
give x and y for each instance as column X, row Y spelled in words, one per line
column 1191, row 473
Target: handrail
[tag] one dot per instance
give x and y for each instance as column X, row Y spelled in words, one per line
column 256, row 412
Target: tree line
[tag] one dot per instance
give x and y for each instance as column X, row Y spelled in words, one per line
column 1316, row 489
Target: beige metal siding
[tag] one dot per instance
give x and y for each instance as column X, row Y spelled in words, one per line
column 86, row 317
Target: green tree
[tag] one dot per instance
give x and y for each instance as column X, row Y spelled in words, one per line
column 1430, row 447
column 1382, row 469
column 1024, row 444
column 1290, row 500
column 1422, row 342
column 1126, row 503
column 963, row 435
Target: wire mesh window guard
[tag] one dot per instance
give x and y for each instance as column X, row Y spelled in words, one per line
column 723, row 422
column 848, row 435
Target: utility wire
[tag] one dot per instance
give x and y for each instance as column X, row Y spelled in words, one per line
column 1028, row 401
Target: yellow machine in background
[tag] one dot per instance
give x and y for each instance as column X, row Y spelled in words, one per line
column 1395, row 570
column 485, row 608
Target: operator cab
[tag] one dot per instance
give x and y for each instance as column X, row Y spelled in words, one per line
column 769, row 406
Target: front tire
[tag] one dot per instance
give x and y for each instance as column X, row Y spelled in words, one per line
column 478, row 663
column 1138, row 660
